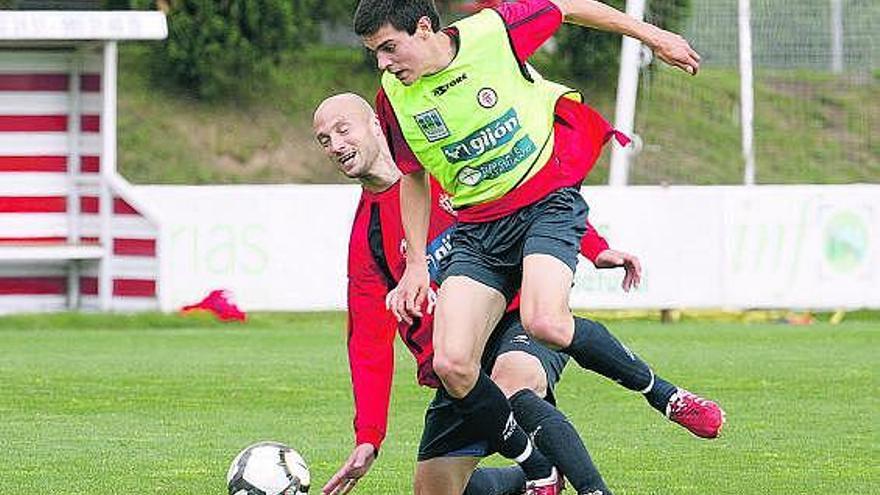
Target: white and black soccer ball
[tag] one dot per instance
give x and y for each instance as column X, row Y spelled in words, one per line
column 268, row 468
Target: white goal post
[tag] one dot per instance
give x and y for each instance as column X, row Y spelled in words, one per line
column 627, row 96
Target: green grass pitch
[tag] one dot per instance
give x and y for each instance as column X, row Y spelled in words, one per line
column 160, row 404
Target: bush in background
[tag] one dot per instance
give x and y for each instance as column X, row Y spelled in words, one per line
column 589, row 54
column 220, row 48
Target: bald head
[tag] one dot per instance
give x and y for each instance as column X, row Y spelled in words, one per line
column 344, row 104
column 348, row 131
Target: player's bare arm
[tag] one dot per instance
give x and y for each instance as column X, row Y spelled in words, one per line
column 670, row 47
column 412, row 290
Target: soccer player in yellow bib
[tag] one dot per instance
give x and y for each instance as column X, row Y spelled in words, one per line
column 511, row 148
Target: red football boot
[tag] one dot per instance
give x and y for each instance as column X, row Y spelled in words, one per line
column 551, row 485
column 700, row 416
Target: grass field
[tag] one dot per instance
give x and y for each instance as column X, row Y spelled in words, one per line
column 159, row 404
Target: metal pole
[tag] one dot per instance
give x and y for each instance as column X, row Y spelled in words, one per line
column 627, row 91
column 837, row 36
column 747, row 94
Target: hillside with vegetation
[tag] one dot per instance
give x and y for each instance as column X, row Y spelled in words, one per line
column 688, row 125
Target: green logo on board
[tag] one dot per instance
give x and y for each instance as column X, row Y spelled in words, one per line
column 846, row 241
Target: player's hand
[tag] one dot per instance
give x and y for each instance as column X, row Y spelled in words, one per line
column 355, row 468
column 675, row 51
column 432, row 300
column 610, row 258
column 393, row 295
column 406, row 300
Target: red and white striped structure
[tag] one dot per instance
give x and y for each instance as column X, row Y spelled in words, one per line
column 72, row 234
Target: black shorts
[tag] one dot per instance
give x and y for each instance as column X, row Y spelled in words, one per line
column 445, row 434
column 492, row 252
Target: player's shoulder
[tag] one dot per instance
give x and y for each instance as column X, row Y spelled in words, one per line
column 382, row 199
column 381, row 100
column 384, row 110
column 523, row 11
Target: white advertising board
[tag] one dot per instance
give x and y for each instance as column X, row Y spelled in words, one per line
column 739, row 247
column 285, row 247
column 275, row 247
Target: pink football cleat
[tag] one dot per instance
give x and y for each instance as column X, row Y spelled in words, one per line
column 700, row 416
column 551, row 485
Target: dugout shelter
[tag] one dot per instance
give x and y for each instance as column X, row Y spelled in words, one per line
column 72, row 233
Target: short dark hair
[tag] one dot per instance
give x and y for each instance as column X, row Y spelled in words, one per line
column 403, row 15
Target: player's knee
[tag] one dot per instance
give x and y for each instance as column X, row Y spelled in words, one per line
column 537, row 381
column 548, row 327
column 457, row 374
column 511, row 386
column 515, row 371
column 507, row 385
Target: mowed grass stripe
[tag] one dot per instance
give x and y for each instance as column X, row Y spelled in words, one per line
column 159, row 404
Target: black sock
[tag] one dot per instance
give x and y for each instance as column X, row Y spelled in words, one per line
column 555, row 436
column 595, row 349
column 487, row 413
column 509, row 480
column 660, row 394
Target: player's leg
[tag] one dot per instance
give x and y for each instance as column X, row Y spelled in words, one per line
column 467, row 312
column 594, row 348
column 480, row 275
column 551, row 431
column 559, row 441
column 527, row 372
column 544, row 301
column 549, row 263
column 610, row 358
column 549, row 260
column 443, row 475
column 548, row 270
column 449, row 452
column 508, row 480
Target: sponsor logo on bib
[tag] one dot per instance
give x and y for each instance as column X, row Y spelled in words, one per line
column 443, row 88
column 487, row 98
column 432, row 125
column 487, row 138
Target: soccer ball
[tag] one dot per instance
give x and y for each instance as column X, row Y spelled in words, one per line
column 268, row 468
